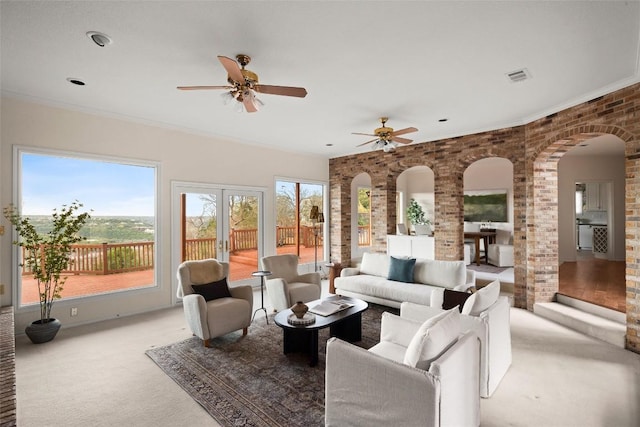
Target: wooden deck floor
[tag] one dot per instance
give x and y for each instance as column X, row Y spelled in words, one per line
column 242, row 265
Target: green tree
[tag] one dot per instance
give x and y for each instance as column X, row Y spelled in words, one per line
column 47, row 255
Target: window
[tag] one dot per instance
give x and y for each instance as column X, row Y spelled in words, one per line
column 119, row 252
column 296, row 231
column 364, row 216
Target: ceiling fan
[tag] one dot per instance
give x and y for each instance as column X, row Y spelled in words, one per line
column 243, row 84
column 386, row 138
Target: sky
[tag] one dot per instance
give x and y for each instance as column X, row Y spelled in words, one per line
column 109, row 189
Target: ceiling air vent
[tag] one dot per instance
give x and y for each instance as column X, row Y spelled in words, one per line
column 519, row 75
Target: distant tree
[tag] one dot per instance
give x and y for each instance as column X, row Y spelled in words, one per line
column 364, row 206
column 243, row 212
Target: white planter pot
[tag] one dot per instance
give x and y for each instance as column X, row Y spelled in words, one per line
column 422, row 229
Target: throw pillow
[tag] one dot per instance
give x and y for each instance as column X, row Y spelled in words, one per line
column 432, row 339
column 454, row 299
column 401, row 270
column 482, row 299
column 213, row 290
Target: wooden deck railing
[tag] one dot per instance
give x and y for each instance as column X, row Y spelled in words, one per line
column 113, row 258
column 286, row 236
column 200, row 248
column 108, row 258
column 364, row 235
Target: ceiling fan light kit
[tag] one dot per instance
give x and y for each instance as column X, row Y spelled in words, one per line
column 243, row 85
column 386, row 138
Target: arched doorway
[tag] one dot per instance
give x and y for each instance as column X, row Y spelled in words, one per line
column 591, row 188
column 488, row 205
column 418, row 183
column 543, row 192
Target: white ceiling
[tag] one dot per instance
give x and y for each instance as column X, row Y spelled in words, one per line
column 415, row 62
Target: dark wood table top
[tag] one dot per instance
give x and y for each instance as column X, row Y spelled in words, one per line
column 323, row 321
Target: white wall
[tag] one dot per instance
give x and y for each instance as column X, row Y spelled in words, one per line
column 182, row 157
column 572, row 169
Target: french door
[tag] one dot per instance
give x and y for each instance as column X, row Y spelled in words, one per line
column 220, row 223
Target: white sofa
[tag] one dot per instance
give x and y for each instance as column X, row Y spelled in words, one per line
column 489, row 319
column 416, row 376
column 369, row 281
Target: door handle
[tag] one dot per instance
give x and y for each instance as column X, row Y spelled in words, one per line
column 226, row 246
column 220, row 245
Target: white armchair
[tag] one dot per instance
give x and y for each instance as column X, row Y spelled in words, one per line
column 500, row 253
column 387, row 386
column 488, row 315
column 286, row 286
column 229, row 308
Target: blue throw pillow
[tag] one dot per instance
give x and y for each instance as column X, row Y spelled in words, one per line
column 401, row 270
column 213, row 290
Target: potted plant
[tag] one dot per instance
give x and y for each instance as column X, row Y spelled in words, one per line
column 416, row 216
column 46, row 256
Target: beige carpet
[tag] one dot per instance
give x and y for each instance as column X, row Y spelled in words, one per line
column 99, row 375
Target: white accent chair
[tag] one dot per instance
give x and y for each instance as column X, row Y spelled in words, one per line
column 286, row 286
column 500, row 253
column 217, row 317
column 387, row 386
column 491, row 323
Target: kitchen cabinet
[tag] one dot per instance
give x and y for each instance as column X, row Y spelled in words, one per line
column 585, row 236
column 597, row 195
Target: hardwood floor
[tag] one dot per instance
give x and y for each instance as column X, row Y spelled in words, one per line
column 594, row 280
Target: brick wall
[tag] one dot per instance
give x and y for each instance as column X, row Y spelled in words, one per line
column 534, row 149
column 8, row 412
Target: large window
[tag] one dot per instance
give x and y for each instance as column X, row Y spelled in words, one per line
column 120, row 248
column 297, row 230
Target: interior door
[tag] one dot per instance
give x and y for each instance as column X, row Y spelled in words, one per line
column 224, row 224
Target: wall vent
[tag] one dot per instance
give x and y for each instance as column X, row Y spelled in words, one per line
column 519, row 75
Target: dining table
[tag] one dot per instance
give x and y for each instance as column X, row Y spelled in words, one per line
column 487, row 236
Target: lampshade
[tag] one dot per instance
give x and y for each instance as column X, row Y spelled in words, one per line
column 313, row 215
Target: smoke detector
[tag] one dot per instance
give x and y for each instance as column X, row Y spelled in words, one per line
column 99, row 38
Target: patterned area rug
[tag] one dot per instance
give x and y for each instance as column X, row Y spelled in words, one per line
column 248, row 381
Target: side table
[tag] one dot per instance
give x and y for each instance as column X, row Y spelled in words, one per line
column 334, row 271
column 262, row 274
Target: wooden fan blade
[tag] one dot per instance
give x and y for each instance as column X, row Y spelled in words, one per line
column 299, row 92
column 360, row 133
column 368, row 142
column 203, row 87
column 249, row 101
column 249, row 105
column 233, row 69
column 403, row 131
column 401, row 140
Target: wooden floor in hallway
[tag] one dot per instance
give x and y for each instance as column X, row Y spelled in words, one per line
column 597, row 281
